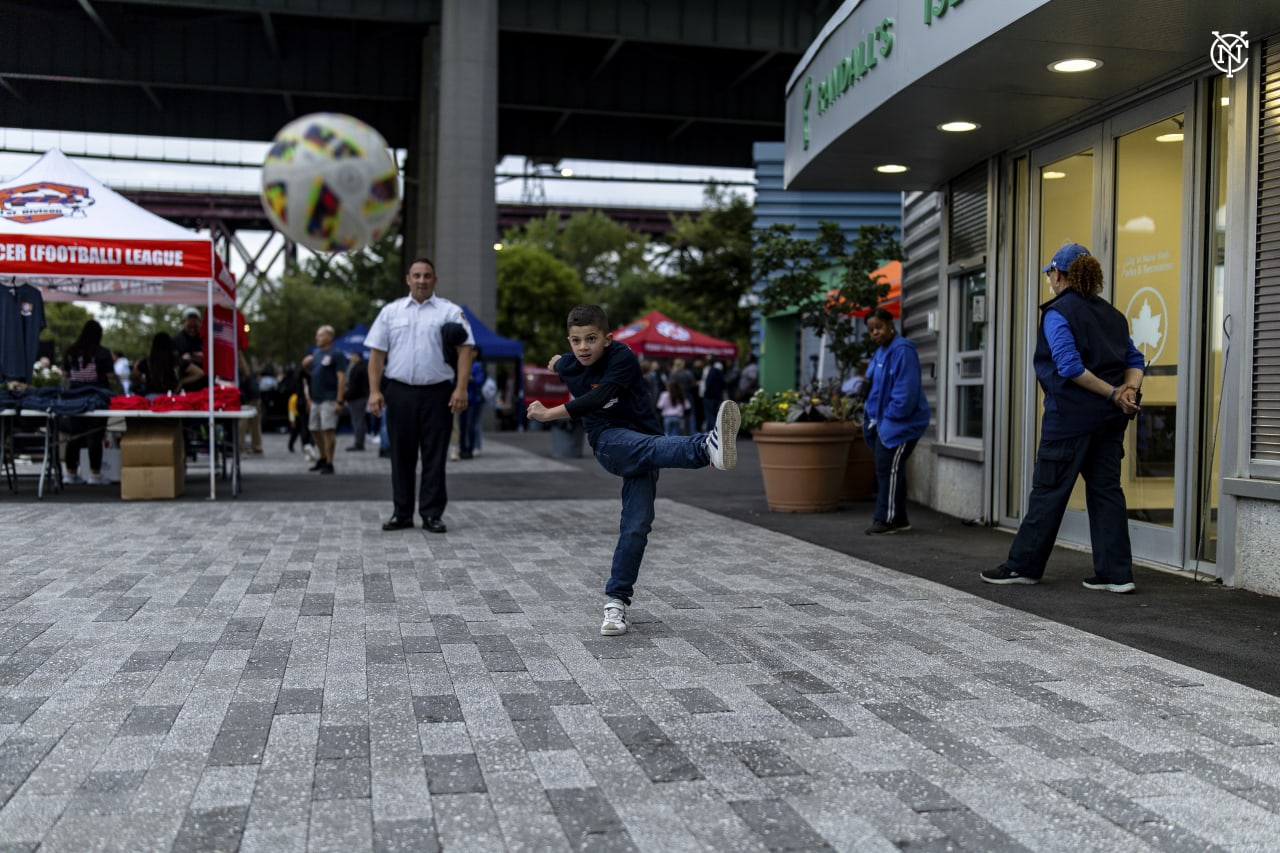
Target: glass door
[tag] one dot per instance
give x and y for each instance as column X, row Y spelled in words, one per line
column 1127, row 197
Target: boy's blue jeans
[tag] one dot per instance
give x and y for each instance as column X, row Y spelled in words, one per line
column 637, row 458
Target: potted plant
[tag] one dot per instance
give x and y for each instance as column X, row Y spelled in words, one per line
column 830, row 283
column 803, row 438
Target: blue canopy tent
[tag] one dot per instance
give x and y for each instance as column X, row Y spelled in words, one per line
column 353, row 341
column 494, row 347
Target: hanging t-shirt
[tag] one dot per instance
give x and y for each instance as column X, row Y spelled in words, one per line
column 21, row 319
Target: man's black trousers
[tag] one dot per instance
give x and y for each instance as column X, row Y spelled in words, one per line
column 418, row 423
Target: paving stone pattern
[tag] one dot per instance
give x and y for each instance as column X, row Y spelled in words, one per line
column 239, row 675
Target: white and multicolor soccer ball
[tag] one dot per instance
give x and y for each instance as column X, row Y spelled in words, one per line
column 330, row 184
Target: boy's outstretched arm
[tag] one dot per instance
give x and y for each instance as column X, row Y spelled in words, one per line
column 542, row 414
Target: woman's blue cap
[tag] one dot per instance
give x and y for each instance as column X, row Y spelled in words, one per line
column 1065, row 257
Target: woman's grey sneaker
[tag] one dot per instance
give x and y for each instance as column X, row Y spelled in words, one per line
column 615, row 618
column 1108, row 586
column 1003, row 575
column 722, row 441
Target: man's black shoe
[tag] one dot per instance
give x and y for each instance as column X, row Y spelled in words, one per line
column 384, row 454
column 316, row 467
column 397, row 523
column 327, row 469
column 434, row 525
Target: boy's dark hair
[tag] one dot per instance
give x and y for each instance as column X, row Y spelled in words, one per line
column 588, row 315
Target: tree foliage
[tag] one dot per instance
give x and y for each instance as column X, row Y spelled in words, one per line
column 609, row 259
column 370, row 278
column 710, row 256
column 63, row 323
column 826, row 280
column 535, row 293
column 128, row 329
column 287, row 317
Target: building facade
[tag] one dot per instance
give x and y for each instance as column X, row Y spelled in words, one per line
column 1158, row 147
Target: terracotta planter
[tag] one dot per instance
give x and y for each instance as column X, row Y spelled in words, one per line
column 859, row 472
column 803, row 464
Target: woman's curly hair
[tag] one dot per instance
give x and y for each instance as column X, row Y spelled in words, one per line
column 1084, row 276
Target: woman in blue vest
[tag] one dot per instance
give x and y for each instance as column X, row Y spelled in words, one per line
column 1090, row 372
column 895, row 417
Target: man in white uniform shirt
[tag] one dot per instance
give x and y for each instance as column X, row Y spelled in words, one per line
column 419, row 391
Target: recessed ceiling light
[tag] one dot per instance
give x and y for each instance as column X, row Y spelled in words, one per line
column 566, row 173
column 1170, row 137
column 958, row 126
column 891, row 169
column 1225, row 101
column 1053, row 176
column 1074, row 66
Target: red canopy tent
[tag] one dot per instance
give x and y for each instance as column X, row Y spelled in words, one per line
column 656, row 335
column 64, row 231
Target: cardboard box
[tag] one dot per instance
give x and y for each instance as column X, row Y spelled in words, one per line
column 153, row 482
column 159, row 444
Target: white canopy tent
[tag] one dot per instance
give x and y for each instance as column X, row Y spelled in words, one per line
column 65, row 232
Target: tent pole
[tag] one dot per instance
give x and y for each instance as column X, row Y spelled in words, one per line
column 209, row 375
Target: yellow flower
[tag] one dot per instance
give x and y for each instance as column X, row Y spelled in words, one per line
column 784, row 406
column 815, row 400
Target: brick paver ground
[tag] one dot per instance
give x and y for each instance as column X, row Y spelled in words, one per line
column 274, row 677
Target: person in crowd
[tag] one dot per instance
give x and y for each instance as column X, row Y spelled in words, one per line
column 856, row 386
column 189, row 344
column 357, row 398
column 469, row 424
column 250, row 395
column 655, row 380
column 683, row 376
column 422, row 392
column 1091, row 374
column 163, row 372
column 697, row 369
column 87, row 362
column 895, row 417
column 328, row 389
column 123, row 371
column 712, row 388
column 612, row 399
column 749, row 380
column 674, row 409
column 295, row 389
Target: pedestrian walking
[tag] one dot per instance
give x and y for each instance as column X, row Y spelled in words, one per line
column 357, row 398
column 328, row 396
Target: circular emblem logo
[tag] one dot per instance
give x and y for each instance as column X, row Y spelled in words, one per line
column 1148, row 321
column 1227, row 53
column 676, row 332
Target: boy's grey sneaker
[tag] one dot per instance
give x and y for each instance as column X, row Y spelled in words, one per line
column 615, row 618
column 1108, row 586
column 1004, row 575
column 722, row 441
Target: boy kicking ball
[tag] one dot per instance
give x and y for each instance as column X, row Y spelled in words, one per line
column 612, row 400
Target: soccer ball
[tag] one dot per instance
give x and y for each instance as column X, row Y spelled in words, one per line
column 330, row 184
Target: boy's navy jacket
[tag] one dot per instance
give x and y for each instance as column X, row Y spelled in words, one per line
column 630, row 409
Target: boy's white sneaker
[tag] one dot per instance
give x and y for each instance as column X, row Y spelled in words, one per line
column 722, row 441
column 95, row 480
column 72, row 478
column 615, row 618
